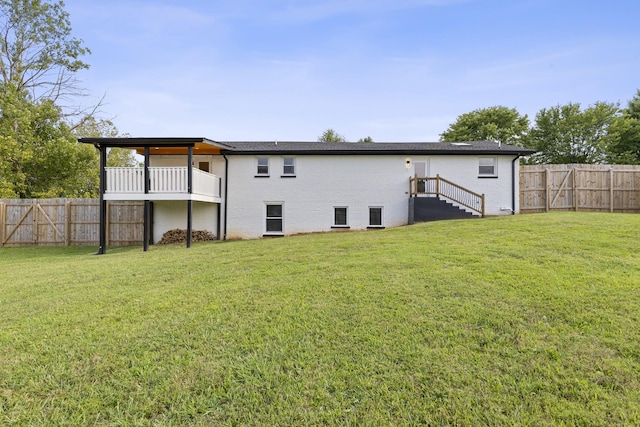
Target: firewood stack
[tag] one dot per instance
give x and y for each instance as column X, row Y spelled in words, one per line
column 180, row 236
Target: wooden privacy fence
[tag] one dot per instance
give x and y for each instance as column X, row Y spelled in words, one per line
column 592, row 188
column 65, row 222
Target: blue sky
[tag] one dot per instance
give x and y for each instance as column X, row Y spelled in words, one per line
column 395, row 70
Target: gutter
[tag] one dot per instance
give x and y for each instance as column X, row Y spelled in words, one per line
column 513, row 184
column 226, row 193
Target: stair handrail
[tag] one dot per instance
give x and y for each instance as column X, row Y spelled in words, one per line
column 448, row 189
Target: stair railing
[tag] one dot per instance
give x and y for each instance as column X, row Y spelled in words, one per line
column 439, row 186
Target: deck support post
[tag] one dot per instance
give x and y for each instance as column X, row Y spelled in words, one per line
column 147, row 203
column 102, row 247
column 189, row 190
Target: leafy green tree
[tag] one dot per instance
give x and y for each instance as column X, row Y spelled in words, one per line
column 331, row 135
column 496, row 123
column 39, row 156
column 38, row 54
column 367, row 139
column 625, row 148
column 101, row 128
column 567, row 134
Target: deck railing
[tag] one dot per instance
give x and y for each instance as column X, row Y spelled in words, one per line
column 439, row 186
column 162, row 180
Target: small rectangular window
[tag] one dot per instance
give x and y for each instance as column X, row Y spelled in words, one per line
column 375, row 217
column 263, row 166
column 289, row 166
column 340, row 218
column 274, row 219
column 203, row 166
column 487, row 166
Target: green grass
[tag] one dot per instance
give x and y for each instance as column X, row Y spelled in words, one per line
column 525, row 320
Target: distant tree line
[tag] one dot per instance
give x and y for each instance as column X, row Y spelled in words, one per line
column 331, row 135
column 601, row 133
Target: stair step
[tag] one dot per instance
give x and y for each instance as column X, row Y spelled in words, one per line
column 435, row 209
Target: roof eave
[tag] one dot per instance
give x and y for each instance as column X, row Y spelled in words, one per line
column 519, row 153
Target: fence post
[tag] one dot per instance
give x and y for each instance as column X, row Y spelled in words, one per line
column 3, row 214
column 547, row 184
column 438, row 185
column 576, row 196
column 611, row 190
column 67, row 224
column 34, row 212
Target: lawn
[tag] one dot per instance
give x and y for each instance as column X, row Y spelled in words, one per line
column 524, row 320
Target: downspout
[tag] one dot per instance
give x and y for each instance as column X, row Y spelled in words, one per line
column 226, row 193
column 513, row 185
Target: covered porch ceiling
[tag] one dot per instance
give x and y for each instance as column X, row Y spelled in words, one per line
column 158, row 146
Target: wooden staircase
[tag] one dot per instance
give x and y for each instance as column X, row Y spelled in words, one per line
column 433, row 199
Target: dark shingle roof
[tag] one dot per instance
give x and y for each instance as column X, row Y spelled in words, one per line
column 402, row 148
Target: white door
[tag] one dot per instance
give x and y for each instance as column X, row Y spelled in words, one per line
column 421, row 170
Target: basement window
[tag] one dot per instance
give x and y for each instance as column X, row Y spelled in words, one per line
column 340, row 217
column 375, row 217
column 274, row 219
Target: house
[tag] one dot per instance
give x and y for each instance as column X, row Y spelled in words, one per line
column 245, row 190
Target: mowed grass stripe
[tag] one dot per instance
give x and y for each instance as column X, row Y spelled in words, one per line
column 529, row 320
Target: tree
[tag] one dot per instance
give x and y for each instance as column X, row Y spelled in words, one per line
column 567, row 134
column 38, row 55
column 625, row 147
column 331, row 135
column 101, row 128
column 39, row 156
column 367, row 139
column 496, row 123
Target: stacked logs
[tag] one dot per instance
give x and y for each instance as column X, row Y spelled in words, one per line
column 180, row 236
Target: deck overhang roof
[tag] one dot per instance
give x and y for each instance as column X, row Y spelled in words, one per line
column 171, row 146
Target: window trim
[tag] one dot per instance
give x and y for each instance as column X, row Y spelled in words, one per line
column 284, row 166
column 257, row 169
column 267, row 218
column 381, row 225
column 346, row 224
column 494, row 174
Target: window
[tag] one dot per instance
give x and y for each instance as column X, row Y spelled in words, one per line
column 203, row 166
column 289, row 166
column 375, row 217
column 487, row 167
column 340, row 217
column 274, row 219
column 263, row 166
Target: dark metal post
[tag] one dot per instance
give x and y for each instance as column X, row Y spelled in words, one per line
column 189, row 190
column 103, row 203
column 147, row 209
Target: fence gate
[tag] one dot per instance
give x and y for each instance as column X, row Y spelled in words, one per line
column 563, row 191
column 34, row 221
column 593, row 188
column 63, row 222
